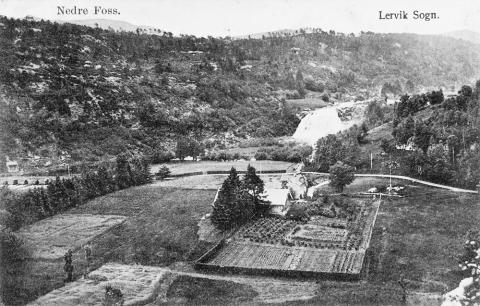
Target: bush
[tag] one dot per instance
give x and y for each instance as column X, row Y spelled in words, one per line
column 13, row 256
column 260, row 155
column 163, row 172
column 12, row 248
column 325, row 97
column 259, row 142
column 289, row 153
column 297, row 214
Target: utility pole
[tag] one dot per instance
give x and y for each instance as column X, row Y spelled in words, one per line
column 391, row 165
column 371, row 161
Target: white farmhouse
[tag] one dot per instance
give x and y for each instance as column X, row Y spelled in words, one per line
column 279, row 201
column 12, row 166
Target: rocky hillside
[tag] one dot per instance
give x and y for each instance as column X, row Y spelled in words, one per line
column 80, row 93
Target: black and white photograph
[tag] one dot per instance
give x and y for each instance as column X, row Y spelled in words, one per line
column 239, row 152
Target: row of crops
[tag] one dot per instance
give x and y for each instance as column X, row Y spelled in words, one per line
column 279, row 231
column 266, row 230
column 240, row 254
column 348, row 262
column 282, row 245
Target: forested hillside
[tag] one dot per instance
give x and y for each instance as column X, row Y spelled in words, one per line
column 70, row 92
column 427, row 136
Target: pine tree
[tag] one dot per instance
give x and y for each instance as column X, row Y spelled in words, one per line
column 106, row 183
column 225, row 206
column 55, row 192
column 255, row 186
column 124, row 172
column 146, row 171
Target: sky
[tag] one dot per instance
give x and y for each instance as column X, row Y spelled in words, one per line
column 243, row 17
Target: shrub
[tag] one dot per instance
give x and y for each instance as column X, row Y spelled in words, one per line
column 113, row 296
column 12, row 248
column 163, row 172
column 13, row 256
column 297, row 214
column 260, row 155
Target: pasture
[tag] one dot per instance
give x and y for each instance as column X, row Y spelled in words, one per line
column 416, row 238
column 204, row 166
column 51, row 238
column 160, row 229
column 214, row 181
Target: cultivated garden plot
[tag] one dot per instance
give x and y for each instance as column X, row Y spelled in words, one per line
column 51, row 238
column 138, row 285
column 276, row 244
column 277, row 257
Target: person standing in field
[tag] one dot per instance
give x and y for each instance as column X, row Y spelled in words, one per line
column 68, row 265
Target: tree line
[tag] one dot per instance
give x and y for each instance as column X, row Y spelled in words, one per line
column 65, row 193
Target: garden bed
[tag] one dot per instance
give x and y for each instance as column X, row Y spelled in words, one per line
column 51, row 238
column 138, row 284
column 277, row 246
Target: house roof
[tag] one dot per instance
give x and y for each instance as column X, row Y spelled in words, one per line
column 277, row 197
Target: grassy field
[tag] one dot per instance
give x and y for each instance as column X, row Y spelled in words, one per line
column 187, row 290
column 160, row 229
column 214, row 181
column 192, row 166
column 416, row 238
column 419, row 236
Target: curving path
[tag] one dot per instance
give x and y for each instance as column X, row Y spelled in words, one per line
column 413, row 180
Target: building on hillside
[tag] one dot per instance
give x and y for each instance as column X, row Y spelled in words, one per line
column 295, row 50
column 12, row 166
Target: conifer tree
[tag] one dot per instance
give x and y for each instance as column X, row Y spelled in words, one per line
column 223, row 214
column 253, row 184
column 124, row 172
column 105, row 181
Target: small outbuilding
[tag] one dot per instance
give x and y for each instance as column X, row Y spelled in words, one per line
column 12, row 166
column 279, row 201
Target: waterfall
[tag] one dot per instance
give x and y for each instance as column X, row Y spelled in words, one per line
column 319, row 123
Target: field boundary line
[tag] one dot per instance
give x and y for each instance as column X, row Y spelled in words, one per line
column 407, row 178
column 414, row 180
